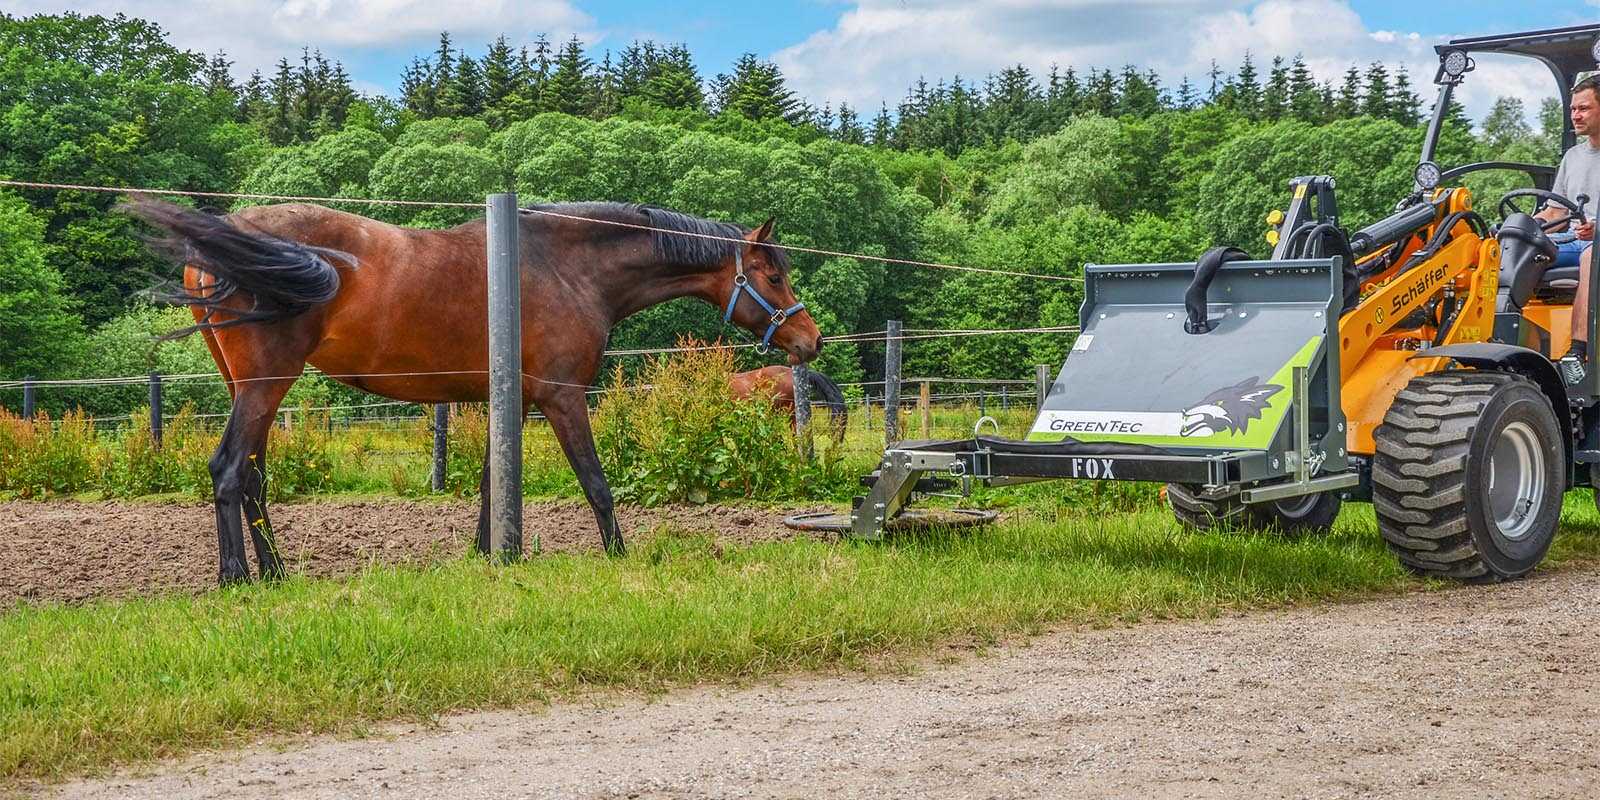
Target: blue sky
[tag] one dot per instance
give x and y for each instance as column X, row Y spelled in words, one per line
column 867, row 51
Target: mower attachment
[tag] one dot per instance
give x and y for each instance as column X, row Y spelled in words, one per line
column 1245, row 404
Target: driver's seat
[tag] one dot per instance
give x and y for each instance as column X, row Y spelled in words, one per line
column 1526, row 253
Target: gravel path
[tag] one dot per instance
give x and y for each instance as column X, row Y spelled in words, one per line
column 1468, row 693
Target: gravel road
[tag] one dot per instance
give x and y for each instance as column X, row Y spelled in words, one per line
column 1481, row 692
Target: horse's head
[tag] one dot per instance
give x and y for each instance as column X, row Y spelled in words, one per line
column 761, row 299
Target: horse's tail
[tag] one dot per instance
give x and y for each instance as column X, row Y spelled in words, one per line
column 823, row 388
column 281, row 278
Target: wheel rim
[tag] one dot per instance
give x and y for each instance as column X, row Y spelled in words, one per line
column 1516, row 480
column 1297, row 507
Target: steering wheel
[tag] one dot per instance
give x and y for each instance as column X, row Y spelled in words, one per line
column 1508, row 206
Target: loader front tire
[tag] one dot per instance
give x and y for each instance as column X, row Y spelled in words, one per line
column 1468, row 475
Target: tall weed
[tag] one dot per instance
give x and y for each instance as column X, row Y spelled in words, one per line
column 685, row 439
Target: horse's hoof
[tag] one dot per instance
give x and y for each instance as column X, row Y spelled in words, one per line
column 225, row 579
column 273, row 573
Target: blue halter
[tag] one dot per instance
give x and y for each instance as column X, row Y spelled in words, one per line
column 741, row 285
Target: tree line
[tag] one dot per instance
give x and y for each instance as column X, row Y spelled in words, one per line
column 1014, row 172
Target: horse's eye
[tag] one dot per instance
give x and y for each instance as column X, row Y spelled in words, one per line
column 775, row 280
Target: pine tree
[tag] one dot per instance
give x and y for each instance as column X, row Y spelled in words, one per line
column 1136, row 95
column 1246, row 88
column 1348, row 105
column 1375, row 102
column 1404, row 103
column 1506, row 124
column 849, row 130
column 756, row 90
column 1186, row 99
column 416, row 89
column 1013, row 107
column 882, row 128
column 218, row 78
column 635, row 67
column 463, row 96
column 253, row 102
column 1217, row 83
column 675, row 82
column 499, row 73
column 444, row 74
column 281, row 125
column 607, row 99
column 1102, row 93
column 338, row 96
column 1275, row 96
column 1305, row 98
column 570, row 88
column 1062, row 97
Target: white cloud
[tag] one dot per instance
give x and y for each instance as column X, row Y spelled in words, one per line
column 879, row 47
column 256, row 33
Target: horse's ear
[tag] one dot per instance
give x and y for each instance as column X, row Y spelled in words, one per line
column 764, row 233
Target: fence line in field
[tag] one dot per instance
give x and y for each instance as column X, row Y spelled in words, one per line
column 539, row 211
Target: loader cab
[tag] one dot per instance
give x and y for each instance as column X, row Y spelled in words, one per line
column 1566, row 52
column 1534, row 301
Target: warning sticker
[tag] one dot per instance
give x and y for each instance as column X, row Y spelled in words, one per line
column 1083, row 342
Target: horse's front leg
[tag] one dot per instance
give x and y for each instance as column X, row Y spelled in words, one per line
column 568, row 415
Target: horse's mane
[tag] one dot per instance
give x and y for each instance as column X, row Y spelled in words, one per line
column 681, row 251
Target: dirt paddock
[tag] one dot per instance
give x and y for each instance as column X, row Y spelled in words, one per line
column 75, row 551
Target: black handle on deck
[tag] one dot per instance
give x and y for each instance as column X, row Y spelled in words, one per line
column 1194, row 299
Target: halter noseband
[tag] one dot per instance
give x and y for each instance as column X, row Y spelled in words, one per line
column 741, row 285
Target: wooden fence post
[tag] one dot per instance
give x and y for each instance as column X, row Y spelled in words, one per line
column 1041, row 381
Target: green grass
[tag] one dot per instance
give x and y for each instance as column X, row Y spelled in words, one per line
column 84, row 687
column 87, row 686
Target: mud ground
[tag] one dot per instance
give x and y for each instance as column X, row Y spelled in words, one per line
column 73, row 551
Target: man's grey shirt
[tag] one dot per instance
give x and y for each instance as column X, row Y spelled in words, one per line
column 1580, row 174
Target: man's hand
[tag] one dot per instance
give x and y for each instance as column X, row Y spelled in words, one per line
column 1585, row 231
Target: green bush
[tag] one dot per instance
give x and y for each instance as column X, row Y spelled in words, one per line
column 42, row 457
column 686, row 439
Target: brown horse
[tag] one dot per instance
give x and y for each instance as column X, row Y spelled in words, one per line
column 403, row 313
column 777, row 383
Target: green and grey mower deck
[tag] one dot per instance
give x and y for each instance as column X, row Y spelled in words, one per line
column 1248, row 407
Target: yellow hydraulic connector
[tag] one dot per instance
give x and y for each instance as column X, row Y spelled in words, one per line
column 1274, row 218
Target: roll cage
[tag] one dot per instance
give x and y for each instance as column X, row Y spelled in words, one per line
column 1567, row 52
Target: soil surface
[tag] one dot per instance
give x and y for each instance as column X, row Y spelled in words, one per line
column 1477, row 692
column 77, row 551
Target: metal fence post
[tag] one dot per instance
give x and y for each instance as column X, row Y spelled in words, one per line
column 441, row 443
column 505, row 378
column 1041, row 382
column 891, row 384
column 983, row 411
column 802, row 407
column 28, row 398
column 1005, row 401
column 155, row 409
column 925, row 409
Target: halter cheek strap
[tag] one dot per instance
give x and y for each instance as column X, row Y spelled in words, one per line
column 775, row 316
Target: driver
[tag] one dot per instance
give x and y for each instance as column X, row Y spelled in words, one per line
column 1579, row 173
